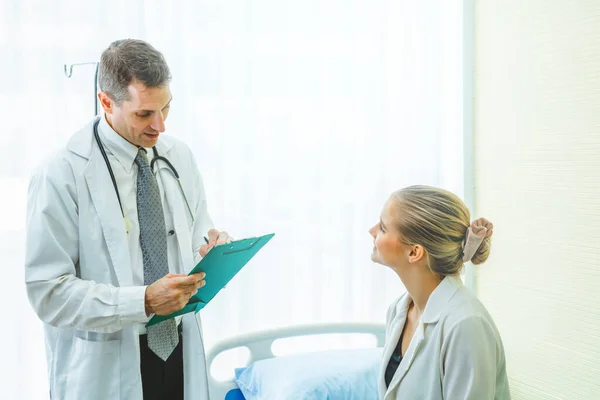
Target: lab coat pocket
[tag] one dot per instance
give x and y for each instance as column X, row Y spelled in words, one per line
column 94, row 370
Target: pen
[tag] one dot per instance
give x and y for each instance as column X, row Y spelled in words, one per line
column 228, row 241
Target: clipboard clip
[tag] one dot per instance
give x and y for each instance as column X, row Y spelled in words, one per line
column 253, row 242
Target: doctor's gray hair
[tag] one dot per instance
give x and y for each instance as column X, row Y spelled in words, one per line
column 437, row 220
column 129, row 60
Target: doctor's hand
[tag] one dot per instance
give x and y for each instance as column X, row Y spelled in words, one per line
column 172, row 292
column 214, row 238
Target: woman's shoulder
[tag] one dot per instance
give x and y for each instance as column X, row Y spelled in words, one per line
column 465, row 308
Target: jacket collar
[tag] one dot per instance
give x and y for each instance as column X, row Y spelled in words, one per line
column 440, row 297
column 436, row 304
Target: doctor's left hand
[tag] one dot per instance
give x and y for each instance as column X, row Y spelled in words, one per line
column 215, row 237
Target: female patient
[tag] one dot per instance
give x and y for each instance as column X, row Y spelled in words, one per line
column 441, row 342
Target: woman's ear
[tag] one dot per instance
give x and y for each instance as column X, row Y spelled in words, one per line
column 416, row 254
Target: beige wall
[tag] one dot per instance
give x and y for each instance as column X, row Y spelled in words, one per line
column 537, row 175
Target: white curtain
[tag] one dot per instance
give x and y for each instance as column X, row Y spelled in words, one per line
column 303, row 115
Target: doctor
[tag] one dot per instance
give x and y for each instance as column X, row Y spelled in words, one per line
column 441, row 342
column 111, row 236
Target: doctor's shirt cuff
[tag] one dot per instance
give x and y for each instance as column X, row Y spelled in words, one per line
column 132, row 304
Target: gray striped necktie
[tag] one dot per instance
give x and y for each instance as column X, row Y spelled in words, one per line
column 162, row 337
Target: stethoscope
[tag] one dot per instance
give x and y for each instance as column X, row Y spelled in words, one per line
column 156, row 158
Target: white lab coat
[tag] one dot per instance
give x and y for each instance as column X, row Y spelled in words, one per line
column 79, row 278
column 455, row 353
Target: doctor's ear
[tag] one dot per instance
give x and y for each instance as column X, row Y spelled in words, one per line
column 416, row 253
column 106, row 102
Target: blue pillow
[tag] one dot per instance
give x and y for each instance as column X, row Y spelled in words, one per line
column 328, row 375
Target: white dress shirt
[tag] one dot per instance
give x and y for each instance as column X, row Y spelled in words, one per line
column 455, row 353
column 121, row 155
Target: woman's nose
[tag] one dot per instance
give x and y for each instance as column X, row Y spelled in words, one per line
column 372, row 231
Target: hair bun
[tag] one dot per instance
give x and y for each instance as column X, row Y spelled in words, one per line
column 484, row 229
column 481, row 223
column 479, row 230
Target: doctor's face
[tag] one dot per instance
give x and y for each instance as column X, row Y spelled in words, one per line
column 388, row 248
column 141, row 118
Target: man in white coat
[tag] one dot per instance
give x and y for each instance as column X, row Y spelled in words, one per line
column 111, row 236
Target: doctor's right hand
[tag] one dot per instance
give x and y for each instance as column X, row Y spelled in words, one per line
column 172, row 292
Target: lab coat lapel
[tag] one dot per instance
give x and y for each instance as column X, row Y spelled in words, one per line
column 388, row 350
column 392, row 336
column 107, row 206
column 408, row 358
column 195, row 373
column 178, row 209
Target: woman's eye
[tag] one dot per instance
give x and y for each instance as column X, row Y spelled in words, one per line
column 381, row 228
column 146, row 115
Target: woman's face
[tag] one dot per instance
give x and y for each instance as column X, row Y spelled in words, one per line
column 388, row 249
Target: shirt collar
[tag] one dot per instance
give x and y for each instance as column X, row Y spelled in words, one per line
column 440, row 297
column 124, row 151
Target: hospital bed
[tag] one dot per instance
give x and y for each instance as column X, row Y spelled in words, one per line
column 260, row 347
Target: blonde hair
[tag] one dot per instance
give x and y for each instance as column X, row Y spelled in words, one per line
column 437, row 220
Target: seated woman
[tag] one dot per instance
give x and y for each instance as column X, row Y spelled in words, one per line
column 441, row 342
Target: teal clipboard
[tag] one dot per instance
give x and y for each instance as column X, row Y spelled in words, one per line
column 221, row 264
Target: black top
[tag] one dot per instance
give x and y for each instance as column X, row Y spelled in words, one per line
column 394, row 360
